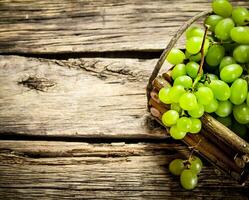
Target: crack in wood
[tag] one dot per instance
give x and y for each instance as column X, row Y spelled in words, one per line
column 37, row 83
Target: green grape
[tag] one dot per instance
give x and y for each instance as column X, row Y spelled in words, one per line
column 226, row 121
column 214, row 55
column 223, row 28
column 193, row 45
column 196, row 125
column 204, row 95
column 176, row 167
column 240, row 34
column 188, row 101
column 170, row 118
column 178, row 70
column 184, row 81
column 195, row 164
column 212, row 106
column 199, row 84
column 188, row 179
column 193, row 57
column 176, row 107
column 220, row 90
column 212, row 21
column 241, row 113
column 225, row 108
column 175, row 56
column 240, row 15
column 192, row 69
column 212, row 77
column 184, row 124
column 197, row 112
column 239, row 129
column 194, row 31
column 176, row 134
column 241, row 53
column 163, row 95
column 222, row 8
column 175, row 93
column 239, row 90
column 231, row 72
column 247, row 99
column 227, row 60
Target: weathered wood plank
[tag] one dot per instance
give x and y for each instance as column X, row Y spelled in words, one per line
column 44, row 26
column 72, row 170
column 78, row 97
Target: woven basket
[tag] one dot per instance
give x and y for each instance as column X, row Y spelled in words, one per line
column 218, row 144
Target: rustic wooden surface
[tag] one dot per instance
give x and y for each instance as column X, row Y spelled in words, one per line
column 102, row 171
column 73, row 120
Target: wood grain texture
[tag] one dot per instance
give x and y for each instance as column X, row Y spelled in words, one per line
column 77, row 97
column 62, row 26
column 55, row 170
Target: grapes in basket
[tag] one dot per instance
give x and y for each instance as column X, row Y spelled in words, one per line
column 210, row 75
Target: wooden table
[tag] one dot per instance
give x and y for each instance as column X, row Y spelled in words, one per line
column 73, row 117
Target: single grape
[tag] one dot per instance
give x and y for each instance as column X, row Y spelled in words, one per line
column 193, row 44
column 178, row 70
column 226, row 121
column 176, row 107
column 170, row 118
column 214, row 55
column 192, row 69
column 176, row 134
column 240, row 34
column 193, row 57
column 195, row 164
column 175, row 93
column 212, row 106
column 204, row 95
column 241, row 53
column 240, row 15
column 163, row 95
column 188, row 179
column 199, row 84
column 197, row 112
column 188, row 101
column 223, row 28
column 196, row 125
column 176, row 167
column 175, row 56
column 241, row 113
column 239, row 129
column 239, row 90
column 184, row 81
column 220, row 90
column 194, row 31
column 225, row 108
column 184, row 124
column 231, row 72
column 222, row 8
column 212, row 77
column 227, row 60
column 212, row 21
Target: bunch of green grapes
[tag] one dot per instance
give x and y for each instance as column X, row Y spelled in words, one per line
column 188, row 171
column 221, row 88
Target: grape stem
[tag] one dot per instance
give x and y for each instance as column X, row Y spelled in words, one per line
column 200, row 70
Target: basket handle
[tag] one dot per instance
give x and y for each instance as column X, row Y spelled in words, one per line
column 166, row 51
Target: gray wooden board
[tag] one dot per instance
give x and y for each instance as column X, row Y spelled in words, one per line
column 77, row 97
column 58, row 26
column 55, row 170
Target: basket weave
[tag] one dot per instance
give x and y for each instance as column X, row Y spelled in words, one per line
column 218, row 144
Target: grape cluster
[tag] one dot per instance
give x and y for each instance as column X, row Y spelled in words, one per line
column 211, row 75
column 188, row 171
